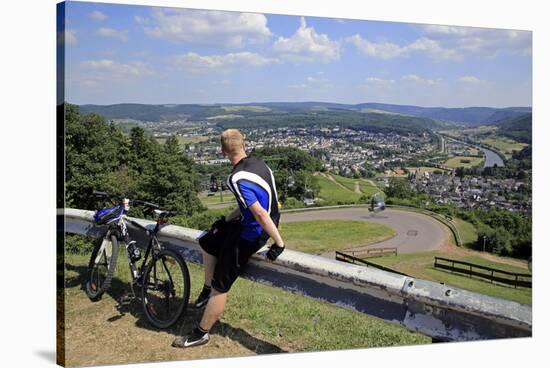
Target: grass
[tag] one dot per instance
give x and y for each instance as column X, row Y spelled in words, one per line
column 247, row 108
column 258, row 320
column 462, row 132
column 330, row 191
column 424, row 169
column 456, row 161
column 215, row 199
column 349, row 183
column 420, row 265
column 467, row 230
column 327, row 235
column 504, row 145
column 186, row 140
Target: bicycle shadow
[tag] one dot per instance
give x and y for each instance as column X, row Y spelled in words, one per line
column 187, row 323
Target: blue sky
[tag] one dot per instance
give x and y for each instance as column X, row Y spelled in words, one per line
column 144, row 54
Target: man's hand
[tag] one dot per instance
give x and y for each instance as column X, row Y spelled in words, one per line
column 218, row 224
column 274, row 252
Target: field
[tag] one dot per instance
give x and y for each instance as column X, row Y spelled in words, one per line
column 351, row 184
column 247, row 108
column 186, row 140
column 327, row 235
column 216, row 198
column 258, row 320
column 467, row 231
column 456, row 161
column 334, row 192
column 421, row 265
column 424, row 169
column 504, row 145
column 459, row 133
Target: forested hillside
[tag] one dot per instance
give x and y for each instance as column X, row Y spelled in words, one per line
column 100, row 157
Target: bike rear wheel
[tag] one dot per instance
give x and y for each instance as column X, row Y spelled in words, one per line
column 101, row 266
column 165, row 289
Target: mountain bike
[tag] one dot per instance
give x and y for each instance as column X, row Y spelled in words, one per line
column 163, row 275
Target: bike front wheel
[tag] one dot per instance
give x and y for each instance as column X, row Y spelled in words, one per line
column 101, row 266
column 165, row 289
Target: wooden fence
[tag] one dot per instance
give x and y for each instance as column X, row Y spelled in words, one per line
column 343, row 257
column 492, row 274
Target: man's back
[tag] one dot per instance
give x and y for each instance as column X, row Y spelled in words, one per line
column 251, row 180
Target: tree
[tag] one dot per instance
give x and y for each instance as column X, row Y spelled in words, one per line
column 399, row 188
column 100, row 157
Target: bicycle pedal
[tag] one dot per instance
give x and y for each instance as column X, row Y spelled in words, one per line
column 126, row 299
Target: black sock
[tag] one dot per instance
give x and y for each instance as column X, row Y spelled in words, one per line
column 199, row 332
column 206, row 289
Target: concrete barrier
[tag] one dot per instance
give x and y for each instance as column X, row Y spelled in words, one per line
column 442, row 312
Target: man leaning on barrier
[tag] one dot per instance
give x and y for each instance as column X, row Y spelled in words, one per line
column 231, row 241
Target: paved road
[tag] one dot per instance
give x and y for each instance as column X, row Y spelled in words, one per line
column 415, row 232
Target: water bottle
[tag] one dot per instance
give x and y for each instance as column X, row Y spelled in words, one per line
column 133, row 251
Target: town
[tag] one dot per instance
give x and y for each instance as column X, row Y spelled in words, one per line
column 419, row 158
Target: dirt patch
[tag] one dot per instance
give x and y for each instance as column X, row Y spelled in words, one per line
column 99, row 333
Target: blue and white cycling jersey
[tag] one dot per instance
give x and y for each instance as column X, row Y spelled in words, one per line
column 252, row 181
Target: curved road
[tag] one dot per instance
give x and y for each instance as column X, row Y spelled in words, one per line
column 415, row 232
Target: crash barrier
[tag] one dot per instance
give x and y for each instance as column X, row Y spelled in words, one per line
column 443, row 219
column 372, row 252
column 488, row 273
column 442, row 312
column 344, row 257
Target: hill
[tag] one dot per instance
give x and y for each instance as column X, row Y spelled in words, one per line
column 466, row 115
column 519, row 128
column 256, row 111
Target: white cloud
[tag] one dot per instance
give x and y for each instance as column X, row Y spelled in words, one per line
column 383, row 50
column 121, row 35
column 194, row 63
column 415, row 78
column 450, row 43
column 298, row 86
column 97, row 15
column 388, row 50
column 313, row 83
column 206, row 27
column 481, row 41
column 469, row 79
column 375, row 83
column 113, row 69
column 70, row 37
column 89, row 83
column 307, row 46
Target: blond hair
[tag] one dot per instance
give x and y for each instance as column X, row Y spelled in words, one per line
column 232, row 142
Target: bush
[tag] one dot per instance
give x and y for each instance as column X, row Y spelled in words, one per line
column 78, row 244
column 202, row 220
column 292, row 202
column 496, row 240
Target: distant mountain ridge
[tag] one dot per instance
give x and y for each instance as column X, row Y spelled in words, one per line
column 469, row 116
column 519, row 128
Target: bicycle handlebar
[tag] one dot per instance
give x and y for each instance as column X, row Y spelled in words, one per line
column 146, row 204
column 150, row 205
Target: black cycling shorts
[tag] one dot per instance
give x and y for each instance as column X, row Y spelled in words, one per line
column 232, row 253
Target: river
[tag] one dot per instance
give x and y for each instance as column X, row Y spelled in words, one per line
column 491, row 158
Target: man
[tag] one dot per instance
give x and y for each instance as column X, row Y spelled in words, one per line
column 227, row 247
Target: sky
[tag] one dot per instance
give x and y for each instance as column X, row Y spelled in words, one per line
column 144, row 54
